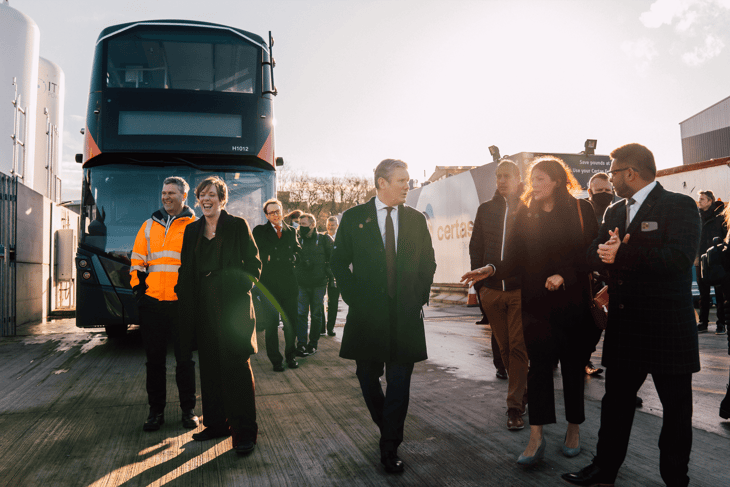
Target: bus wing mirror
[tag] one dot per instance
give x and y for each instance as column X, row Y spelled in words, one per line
column 79, row 158
column 279, row 161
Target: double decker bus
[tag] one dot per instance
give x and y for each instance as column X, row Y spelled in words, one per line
column 167, row 98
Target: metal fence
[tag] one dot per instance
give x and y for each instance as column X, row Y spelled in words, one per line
column 8, row 237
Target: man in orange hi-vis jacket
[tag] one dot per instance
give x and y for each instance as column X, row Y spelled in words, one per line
column 155, row 262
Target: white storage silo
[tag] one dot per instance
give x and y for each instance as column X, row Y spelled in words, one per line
column 49, row 129
column 20, row 40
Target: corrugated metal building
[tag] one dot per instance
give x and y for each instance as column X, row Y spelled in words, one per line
column 706, row 135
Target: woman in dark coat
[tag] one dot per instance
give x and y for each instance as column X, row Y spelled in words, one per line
column 547, row 248
column 220, row 262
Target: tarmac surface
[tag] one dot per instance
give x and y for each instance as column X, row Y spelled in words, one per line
column 73, row 404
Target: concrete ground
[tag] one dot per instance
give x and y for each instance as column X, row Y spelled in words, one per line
column 73, row 405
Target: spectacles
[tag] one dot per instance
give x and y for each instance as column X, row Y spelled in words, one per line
column 275, row 212
column 619, row 170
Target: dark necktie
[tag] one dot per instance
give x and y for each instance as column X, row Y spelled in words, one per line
column 278, row 230
column 629, row 202
column 390, row 252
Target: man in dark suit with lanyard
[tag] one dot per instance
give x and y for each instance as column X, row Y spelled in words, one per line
column 384, row 265
column 647, row 243
column 277, row 291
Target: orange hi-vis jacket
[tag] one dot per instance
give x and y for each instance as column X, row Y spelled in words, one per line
column 157, row 252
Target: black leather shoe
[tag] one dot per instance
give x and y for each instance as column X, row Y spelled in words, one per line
column 725, row 408
column 190, row 420
column 392, row 463
column 245, row 446
column 154, row 421
column 292, row 364
column 639, row 402
column 502, row 373
column 212, row 433
column 311, row 350
column 278, row 367
column 331, row 333
column 591, row 475
column 302, row 351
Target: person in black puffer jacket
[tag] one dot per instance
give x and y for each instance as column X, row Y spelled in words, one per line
column 313, row 273
column 713, row 225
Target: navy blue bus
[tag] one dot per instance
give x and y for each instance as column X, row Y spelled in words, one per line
column 167, row 98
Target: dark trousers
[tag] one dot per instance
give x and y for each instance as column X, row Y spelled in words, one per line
column 617, row 415
column 388, row 410
column 546, row 345
column 706, row 300
column 310, row 298
column 226, row 379
column 157, row 321
column 267, row 319
column 333, row 300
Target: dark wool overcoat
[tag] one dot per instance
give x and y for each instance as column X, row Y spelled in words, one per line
column 239, row 266
column 278, row 257
column 651, row 319
column 364, row 286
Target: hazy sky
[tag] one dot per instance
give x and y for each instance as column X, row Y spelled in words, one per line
column 436, row 82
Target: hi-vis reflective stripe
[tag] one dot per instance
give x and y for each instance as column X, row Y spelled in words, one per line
column 138, row 268
column 147, row 232
column 163, row 268
column 137, row 256
column 165, row 253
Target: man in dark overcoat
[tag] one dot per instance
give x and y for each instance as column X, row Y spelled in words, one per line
column 277, row 291
column 384, row 265
column 647, row 243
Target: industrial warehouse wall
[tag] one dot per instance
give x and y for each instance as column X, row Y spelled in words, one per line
column 38, row 221
column 716, row 179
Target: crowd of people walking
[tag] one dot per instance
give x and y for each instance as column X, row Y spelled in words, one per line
column 538, row 254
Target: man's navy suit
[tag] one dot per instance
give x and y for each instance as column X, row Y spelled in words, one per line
column 383, row 332
column 651, row 326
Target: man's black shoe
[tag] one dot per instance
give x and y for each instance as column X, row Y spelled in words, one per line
column 292, row 364
column 302, row 351
column 190, row 420
column 154, row 421
column 502, row 373
column 725, row 408
column 639, row 402
column 278, row 367
column 212, row 433
column 322, row 333
column 392, row 463
column 244, row 447
column 311, row 350
column 702, row 328
column 331, row 333
column 591, row 475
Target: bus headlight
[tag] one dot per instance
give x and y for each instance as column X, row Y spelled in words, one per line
column 86, row 275
column 83, row 263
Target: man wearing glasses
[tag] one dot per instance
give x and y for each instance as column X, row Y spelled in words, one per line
column 277, row 291
column 647, row 244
